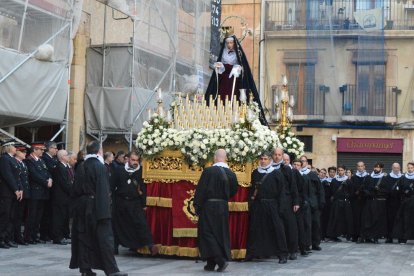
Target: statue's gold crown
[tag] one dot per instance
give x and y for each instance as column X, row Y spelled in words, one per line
column 227, row 31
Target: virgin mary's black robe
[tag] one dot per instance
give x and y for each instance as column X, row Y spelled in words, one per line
column 246, row 78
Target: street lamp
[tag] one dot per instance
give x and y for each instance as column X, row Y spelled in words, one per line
column 283, row 105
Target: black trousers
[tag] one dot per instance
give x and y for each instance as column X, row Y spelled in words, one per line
column 6, row 216
column 291, row 229
column 303, row 217
column 105, row 239
column 35, row 212
column 60, row 218
column 19, row 218
column 46, row 221
column 316, row 227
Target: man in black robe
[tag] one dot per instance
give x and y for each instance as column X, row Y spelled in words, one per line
column 326, row 211
column 216, row 185
column 266, row 230
column 357, row 199
column 303, row 215
column 374, row 212
column 317, row 202
column 129, row 193
column 10, row 193
column 289, row 203
column 92, row 237
column 230, row 58
column 61, row 191
column 404, row 222
column 391, row 182
column 340, row 219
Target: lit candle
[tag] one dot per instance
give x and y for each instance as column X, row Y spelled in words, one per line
column 169, row 116
column 149, row 114
column 159, row 94
column 285, row 81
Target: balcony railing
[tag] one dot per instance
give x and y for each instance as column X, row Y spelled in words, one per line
column 334, row 14
column 310, row 102
column 369, row 103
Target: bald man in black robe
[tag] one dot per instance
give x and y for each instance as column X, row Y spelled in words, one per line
column 216, row 185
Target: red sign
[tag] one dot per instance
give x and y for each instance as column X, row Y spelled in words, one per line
column 370, row 145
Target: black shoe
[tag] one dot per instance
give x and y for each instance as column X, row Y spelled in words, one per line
column 388, row 241
column 360, row 240
column 247, row 259
column 88, row 272
column 223, row 267
column 316, row 247
column 61, row 242
column 303, row 253
column 119, row 273
column 354, row 240
column 40, row 241
column 282, row 260
column 4, row 245
column 401, row 241
column 209, row 267
column 11, row 244
column 376, row 241
column 336, row 239
column 22, row 242
column 292, row 256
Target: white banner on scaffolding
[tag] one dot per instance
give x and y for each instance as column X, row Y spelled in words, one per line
column 370, row 20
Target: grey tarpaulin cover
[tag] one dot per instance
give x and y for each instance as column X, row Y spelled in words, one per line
column 37, row 91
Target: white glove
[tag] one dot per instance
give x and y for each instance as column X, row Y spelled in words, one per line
column 219, row 67
column 235, row 71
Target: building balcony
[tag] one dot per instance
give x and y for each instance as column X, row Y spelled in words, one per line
column 314, row 15
column 369, row 104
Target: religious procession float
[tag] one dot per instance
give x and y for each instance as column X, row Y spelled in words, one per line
column 178, row 143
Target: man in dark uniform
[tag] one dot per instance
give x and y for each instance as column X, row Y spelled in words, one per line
column 46, row 225
column 289, row 203
column 216, row 185
column 357, row 199
column 266, row 231
column 129, row 193
column 92, row 236
column 374, row 212
column 21, row 206
column 303, row 215
column 61, row 191
column 40, row 183
column 10, row 193
column 391, row 182
column 317, row 206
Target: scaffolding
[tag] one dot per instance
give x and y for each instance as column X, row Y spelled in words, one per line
column 145, row 45
column 36, row 50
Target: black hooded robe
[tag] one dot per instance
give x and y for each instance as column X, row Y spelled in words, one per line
column 246, row 79
column 404, row 222
column 211, row 204
column 129, row 223
column 92, row 238
column 393, row 202
column 266, row 230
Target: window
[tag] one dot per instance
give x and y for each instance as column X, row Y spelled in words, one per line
column 370, row 96
column 301, row 79
column 308, row 141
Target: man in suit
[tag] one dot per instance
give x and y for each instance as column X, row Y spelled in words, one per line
column 10, row 192
column 40, row 182
column 49, row 158
column 63, row 179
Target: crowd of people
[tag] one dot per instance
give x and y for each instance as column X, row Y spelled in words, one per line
column 293, row 207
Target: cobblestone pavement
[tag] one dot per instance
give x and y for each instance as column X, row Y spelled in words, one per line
column 335, row 259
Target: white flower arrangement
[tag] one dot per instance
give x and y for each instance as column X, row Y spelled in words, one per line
column 290, row 143
column 245, row 142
